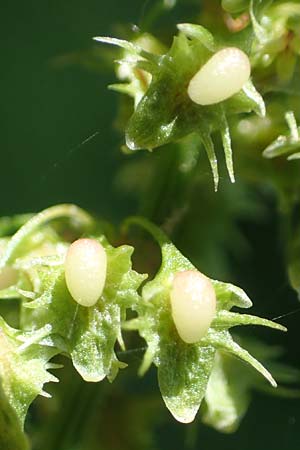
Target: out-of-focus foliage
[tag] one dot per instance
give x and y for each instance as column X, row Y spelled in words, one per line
column 229, row 389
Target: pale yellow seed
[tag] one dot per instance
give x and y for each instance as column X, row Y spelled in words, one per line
column 85, row 271
column 224, row 74
column 193, row 303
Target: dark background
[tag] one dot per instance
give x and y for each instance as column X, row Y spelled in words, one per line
column 48, row 111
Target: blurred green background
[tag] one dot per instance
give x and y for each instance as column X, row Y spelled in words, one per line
column 47, row 111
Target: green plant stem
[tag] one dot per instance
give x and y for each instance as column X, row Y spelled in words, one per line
column 71, row 211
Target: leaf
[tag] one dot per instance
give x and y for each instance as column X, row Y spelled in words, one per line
column 23, row 366
column 165, row 113
column 223, row 340
column 286, row 144
column 10, row 224
column 129, row 46
column 34, row 239
column 11, row 433
column 247, row 100
column 198, row 32
column 210, row 151
column 17, row 244
column 269, row 50
column 227, row 397
column 229, row 319
column 230, row 295
column 226, row 139
column 230, row 385
column 183, row 373
column 184, row 369
column 88, row 335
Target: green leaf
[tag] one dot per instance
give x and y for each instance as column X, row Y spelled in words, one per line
column 11, row 433
column 230, row 385
column 88, row 335
column 294, row 156
column 165, row 113
column 184, row 369
column 210, row 151
column 18, row 244
column 285, row 144
column 36, row 238
column 270, row 48
column 183, row 373
column 23, row 366
column 129, row 46
column 223, row 340
column 229, row 319
column 227, row 397
column 10, row 224
column 198, row 32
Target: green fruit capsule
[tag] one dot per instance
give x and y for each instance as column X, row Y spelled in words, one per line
column 224, row 75
column 193, row 303
column 85, row 271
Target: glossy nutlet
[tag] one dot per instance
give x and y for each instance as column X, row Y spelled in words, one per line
column 85, row 271
column 193, row 304
column 223, row 75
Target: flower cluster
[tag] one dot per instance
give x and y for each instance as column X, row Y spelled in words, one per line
column 183, row 316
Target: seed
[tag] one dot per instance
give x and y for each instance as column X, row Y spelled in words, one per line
column 85, row 271
column 224, row 74
column 193, row 303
